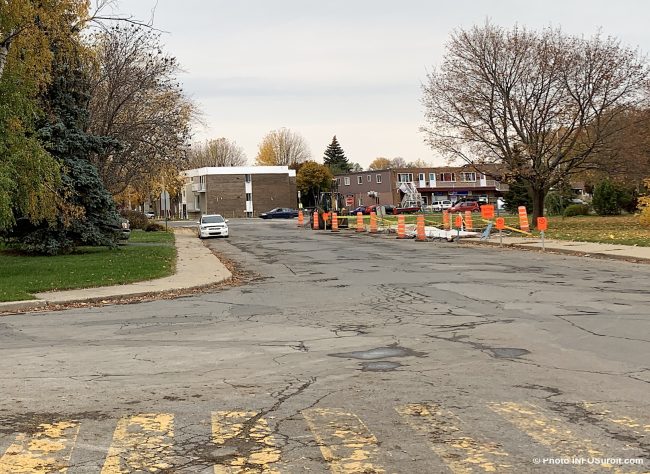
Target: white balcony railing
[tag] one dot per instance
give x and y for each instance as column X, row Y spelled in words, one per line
column 487, row 183
column 198, row 187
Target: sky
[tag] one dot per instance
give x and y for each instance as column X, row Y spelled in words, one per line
column 351, row 68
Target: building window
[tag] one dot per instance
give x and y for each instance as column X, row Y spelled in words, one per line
column 369, row 178
column 404, row 177
column 421, row 177
column 249, row 196
column 359, row 179
column 247, row 178
column 447, row 177
column 468, row 177
column 378, row 178
column 346, row 181
column 432, row 177
column 338, row 181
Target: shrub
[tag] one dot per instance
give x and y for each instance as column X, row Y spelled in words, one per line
column 610, row 198
column 137, row 219
column 154, row 227
column 644, row 207
column 555, row 203
column 576, row 210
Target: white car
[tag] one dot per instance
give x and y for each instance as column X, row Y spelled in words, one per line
column 213, row 225
column 150, row 214
column 439, row 206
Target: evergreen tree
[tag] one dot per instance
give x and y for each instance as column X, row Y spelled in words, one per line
column 335, row 158
column 517, row 195
column 86, row 215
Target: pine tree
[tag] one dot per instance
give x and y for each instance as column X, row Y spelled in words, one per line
column 335, row 158
column 88, row 216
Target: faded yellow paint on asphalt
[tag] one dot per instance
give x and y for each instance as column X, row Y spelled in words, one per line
column 141, row 443
column 551, row 432
column 462, row 454
column 47, row 450
column 344, row 440
column 638, row 427
column 248, row 440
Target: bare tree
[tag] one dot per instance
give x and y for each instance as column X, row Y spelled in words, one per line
column 539, row 103
column 282, row 147
column 137, row 100
column 219, row 152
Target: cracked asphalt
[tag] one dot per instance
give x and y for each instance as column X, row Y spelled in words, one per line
column 349, row 353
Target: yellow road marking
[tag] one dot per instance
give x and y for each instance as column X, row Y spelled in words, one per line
column 47, row 450
column 638, row 427
column 344, row 440
column 551, row 432
column 251, row 443
column 141, row 443
column 460, row 453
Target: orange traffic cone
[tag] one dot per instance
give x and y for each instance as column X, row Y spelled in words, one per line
column 373, row 223
column 335, row 222
column 468, row 220
column 301, row 219
column 360, row 226
column 420, row 235
column 401, row 227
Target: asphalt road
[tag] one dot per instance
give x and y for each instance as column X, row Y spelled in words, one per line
column 346, row 353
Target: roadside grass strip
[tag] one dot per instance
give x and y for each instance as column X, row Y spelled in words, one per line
column 248, row 435
column 148, row 255
column 344, row 441
column 461, row 453
column 48, row 449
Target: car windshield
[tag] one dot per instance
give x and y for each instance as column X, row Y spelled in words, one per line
column 212, row 220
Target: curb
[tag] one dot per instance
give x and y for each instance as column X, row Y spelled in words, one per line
column 23, row 305
column 560, row 251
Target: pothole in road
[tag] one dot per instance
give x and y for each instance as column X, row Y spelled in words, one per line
column 380, row 353
column 379, row 366
column 508, row 352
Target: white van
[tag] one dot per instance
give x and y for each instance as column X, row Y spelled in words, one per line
column 439, row 206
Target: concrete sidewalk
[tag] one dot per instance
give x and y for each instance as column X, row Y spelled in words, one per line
column 196, row 267
column 614, row 251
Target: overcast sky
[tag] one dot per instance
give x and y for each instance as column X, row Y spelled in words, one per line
column 348, row 68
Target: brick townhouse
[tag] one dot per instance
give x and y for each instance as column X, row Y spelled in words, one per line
column 240, row 191
column 434, row 184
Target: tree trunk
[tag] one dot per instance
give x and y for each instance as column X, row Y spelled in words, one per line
column 538, row 196
column 4, row 52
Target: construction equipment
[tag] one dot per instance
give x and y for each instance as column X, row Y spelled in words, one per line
column 328, row 202
column 412, row 200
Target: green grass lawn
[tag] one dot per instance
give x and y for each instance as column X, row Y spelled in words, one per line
column 624, row 230
column 147, row 255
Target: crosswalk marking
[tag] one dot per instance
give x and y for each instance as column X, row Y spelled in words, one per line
column 460, row 453
column 47, row 450
column 344, row 440
column 141, row 443
column 551, row 432
column 248, row 442
column 636, row 426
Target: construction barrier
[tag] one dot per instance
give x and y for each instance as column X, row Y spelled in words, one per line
column 445, row 220
column 420, row 235
column 335, row 222
column 401, row 227
column 523, row 219
column 315, row 226
column 487, row 211
column 468, row 220
column 301, row 219
column 373, row 223
column 459, row 221
column 360, row 226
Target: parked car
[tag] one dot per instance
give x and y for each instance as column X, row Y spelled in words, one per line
column 361, row 209
column 463, row 206
column 213, row 225
column 150, row 214
column 279, row 213
column 125, row 229
column 439, row 206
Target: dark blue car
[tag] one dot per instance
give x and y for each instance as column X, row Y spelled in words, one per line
column 279, row 213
